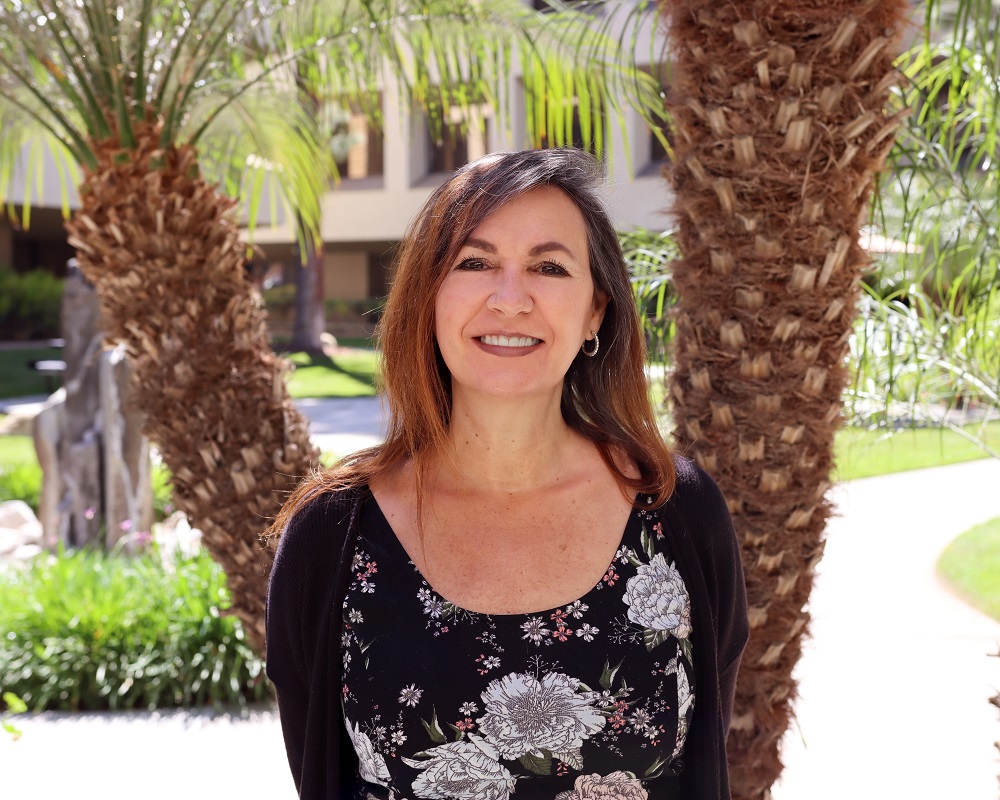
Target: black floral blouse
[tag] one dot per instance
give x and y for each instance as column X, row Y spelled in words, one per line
column 589, row 700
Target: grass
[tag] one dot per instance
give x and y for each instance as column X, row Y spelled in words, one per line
column 864, row 454
column 348, row 374
column 971, row 566
column 19, row 379
column 16, row 451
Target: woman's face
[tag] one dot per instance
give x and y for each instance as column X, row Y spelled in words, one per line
column 519, row 300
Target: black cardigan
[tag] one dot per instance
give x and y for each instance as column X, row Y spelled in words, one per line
column 304, row 619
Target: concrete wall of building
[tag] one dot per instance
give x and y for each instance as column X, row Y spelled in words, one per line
column 345, row 274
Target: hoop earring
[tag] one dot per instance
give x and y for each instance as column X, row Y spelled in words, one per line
column 597, row 346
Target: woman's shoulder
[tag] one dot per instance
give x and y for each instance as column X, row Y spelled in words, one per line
column 317, row 529
column 699, row 502
column 694, row 487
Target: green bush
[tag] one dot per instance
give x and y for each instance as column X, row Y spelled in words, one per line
column 94, row 631
column 163, row 492
column 30, row 304
column 282, row 299
column 21, row 482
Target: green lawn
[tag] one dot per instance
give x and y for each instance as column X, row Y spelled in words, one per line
column 971, row 566
column 863, row 454
column 348, row 374
column 20, row 380
column 16, row 451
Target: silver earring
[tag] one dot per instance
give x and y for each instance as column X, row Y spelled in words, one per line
column 597, row 345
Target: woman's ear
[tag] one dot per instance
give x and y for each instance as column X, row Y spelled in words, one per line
column 600, row 306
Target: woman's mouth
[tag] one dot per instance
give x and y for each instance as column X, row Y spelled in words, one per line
column 509, row 341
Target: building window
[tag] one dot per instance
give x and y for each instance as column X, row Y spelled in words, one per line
column 357, row 144
column 658, row 155
column 459, row 140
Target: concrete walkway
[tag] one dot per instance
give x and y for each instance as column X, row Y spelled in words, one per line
column 893, row 685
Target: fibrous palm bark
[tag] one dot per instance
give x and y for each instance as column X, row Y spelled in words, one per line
column 163, row 250
column 781, row 124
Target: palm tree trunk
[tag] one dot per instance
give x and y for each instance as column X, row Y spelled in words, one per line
column 163, row 250
column 310, row 320
column 780, row 127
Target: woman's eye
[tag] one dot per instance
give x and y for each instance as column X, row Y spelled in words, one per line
column 551, row 268
column 471, row 264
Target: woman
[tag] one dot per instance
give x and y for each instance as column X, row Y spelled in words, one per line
column 457, row 613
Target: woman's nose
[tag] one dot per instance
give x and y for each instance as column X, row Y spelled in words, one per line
column 510, row 295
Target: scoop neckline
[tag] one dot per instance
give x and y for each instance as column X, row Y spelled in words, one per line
column 630, row 520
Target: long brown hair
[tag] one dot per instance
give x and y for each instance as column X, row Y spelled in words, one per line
column 603, row 398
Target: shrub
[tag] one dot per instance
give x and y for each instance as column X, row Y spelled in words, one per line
column 94, row 631
column 30, row 304
column 21, row 482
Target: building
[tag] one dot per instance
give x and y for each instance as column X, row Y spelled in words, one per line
column 386, row 175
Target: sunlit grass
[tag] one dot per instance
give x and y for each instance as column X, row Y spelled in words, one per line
column 862, row 453
column 349, row 374
column 971, row 566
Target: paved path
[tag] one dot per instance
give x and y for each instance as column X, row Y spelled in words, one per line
column 895, row 681
column 893, row 685
column 338, row 426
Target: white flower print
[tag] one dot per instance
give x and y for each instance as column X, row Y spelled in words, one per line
column 398, row 737
column 525, row 715
column 410, row 695
column 465, row 770
column 490, row 662
column 535, row 630
column 616, row 786
column 685, row 699
column 467, row 709
column 624, row 554
column 576, row 608
column 640, row 718
column 371, row 763
column 367, row 587
column 355, row 616
column 587, row 632
column 358, row 561
column 657, row 598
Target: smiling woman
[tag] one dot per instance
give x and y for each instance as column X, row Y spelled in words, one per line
column 522, row 504
column 513, row 312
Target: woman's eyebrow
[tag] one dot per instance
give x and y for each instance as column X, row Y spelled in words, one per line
column 537, row 250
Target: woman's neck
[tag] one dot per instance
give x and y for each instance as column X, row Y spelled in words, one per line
column 508, row 446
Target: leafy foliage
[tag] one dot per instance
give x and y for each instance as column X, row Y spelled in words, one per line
column 247, row 82
column 931, row 314
column 649, row 255
column 30, row 304
column 21, row 482
column 95, row 631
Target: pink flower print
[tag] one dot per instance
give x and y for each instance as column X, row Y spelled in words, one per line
column 610, row 576
column 617, row 718
column 465, row 725
column 562, row 633
column 658, row 530
column 559, row 616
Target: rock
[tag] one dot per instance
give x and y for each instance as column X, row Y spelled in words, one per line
column 175, row 535
column 19, row 528
column 48, row 427
column 17, row 514
column 26, row 552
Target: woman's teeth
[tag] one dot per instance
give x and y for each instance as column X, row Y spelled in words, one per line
column 509, row 341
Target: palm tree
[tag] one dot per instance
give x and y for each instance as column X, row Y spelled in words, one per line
column 782, row 120
column 171, row 109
